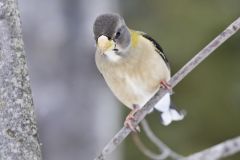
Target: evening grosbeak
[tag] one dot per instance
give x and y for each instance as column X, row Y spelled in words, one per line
column 133, row 65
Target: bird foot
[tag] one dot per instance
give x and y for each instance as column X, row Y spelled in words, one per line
column 166, row 86
column 130, row 118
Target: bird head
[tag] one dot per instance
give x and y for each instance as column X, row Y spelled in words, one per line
column 111, row 34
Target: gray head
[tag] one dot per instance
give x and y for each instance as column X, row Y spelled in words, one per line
column 111, row 33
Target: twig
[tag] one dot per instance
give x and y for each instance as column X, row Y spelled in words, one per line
column 221, row 150
column 163, row 148
column 139, row 116
column 146, row 151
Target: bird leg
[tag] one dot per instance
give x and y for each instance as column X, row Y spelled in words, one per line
column 166, row 86
column 130, row 117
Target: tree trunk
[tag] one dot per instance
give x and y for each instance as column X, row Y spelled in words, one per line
column 18, row 130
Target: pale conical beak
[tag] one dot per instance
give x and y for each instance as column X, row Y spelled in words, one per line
column 104, row 44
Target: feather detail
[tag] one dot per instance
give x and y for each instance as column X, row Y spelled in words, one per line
column 164, row 104
column 134, row 38
column 158, row 48
column 168, row 112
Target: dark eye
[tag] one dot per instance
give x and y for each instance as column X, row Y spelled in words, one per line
column 117, row 35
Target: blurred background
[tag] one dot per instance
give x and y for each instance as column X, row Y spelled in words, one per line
column 77, row 114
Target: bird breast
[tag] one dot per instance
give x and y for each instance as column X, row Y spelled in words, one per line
column 136, row 78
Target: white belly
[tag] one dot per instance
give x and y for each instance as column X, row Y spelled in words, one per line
column 140, row 91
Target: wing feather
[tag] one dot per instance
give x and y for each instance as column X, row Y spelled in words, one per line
column 158, row 48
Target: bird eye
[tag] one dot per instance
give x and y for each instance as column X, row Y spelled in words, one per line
column 117, row 35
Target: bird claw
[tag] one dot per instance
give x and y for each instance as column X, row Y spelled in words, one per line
column 128, row 124
column 166, row 86
column 130, row 118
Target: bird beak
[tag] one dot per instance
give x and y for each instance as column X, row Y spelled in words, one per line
column 104, row 44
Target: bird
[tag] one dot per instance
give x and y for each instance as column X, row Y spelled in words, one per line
column 134, row 67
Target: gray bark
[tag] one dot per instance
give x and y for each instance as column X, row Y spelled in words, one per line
column 18, row 130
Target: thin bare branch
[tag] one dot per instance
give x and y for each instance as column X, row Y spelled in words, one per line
column 146, row 151
column 221, row 150
column 163, row 148
column 139, row 116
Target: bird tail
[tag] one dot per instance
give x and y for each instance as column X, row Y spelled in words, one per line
column 168, row 110
column 172, row 114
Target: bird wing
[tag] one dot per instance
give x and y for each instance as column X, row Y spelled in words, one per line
column 158, row 48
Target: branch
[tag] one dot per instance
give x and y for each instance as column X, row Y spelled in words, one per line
column 163, row 148
column 224, row 149
column 187, row 68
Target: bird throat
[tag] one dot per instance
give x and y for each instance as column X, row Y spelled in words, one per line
column 112, row 56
